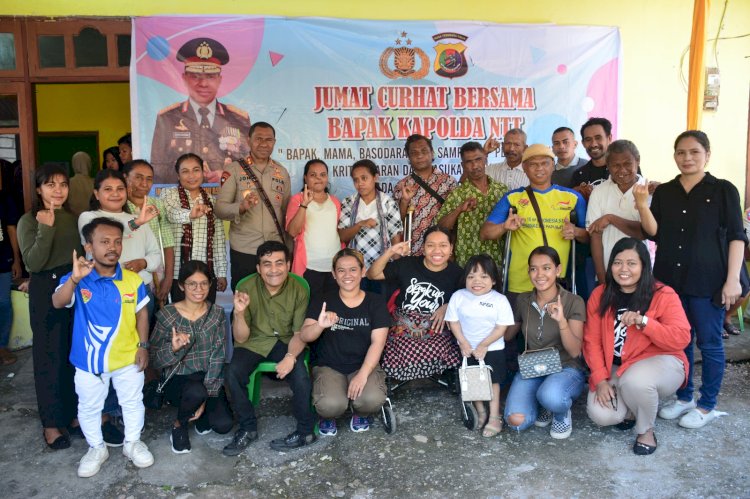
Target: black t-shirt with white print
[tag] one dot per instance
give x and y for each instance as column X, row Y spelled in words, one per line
column 343, row 347
column 423, row 290
column 621, row 330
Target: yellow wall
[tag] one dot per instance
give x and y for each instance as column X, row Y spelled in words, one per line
column 85, row 107
column 655, row 35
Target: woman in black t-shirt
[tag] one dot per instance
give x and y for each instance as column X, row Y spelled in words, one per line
column 419, row 344
column 350, row 326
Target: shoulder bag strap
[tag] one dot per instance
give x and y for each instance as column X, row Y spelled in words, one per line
column 424, row 185
column 263, row 196
column 535, row 205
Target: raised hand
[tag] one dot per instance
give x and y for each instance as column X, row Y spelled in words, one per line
column 513, row 222
column 148, row 213
column 249, row 199
column 408, row 192
column 46, row 217
column 307, row 196
column 81, row 267
column 199, row 209
column 469, row 205
column 369, row 222
column 640, row 194
column 179, row 340
column 491, row 145
column 241, row 301
column 555, row 310
column 327, row 319
column 400, row 249
column 221, row 284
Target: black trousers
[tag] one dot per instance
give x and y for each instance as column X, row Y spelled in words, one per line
column 241, row 266
column 51, row 330
column 320, row 282
column 187, row 392
column 238, row 373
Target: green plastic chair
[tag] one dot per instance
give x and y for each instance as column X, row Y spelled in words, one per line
column 254, row 382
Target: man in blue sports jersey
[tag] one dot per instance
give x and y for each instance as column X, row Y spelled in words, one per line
column 555, row 205
column 110, row 341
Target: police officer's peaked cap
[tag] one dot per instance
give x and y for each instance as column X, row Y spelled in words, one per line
column 203, row 55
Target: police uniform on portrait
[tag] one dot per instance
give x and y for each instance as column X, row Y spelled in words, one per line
column 216, row 132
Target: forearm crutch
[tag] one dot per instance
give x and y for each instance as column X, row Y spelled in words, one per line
column 506, row 260
column 574, row 221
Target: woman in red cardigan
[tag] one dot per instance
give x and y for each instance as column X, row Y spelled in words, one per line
column 633, row 342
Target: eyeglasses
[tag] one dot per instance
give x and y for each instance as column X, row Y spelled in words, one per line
column 193, row 285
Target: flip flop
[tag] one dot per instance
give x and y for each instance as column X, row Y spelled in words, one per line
column 491, row 431
column 732, row 329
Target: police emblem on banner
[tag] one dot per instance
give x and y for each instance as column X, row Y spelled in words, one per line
column 401, row 61
column 450, row 60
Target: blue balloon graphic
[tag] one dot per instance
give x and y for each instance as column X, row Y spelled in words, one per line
column 157, row 48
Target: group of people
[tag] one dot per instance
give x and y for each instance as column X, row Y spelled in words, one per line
column 360, row 299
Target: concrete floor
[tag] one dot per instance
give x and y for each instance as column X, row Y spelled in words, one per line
column 430, row 455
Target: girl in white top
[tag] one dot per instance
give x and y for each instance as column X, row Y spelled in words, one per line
column 140, row 249
column 478, row 317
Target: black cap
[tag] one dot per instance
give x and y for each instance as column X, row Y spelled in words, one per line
column 203, row 55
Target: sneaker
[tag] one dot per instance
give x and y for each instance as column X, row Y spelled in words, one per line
column 113, row 437
column 202, row 426
column 327, row 427
column 92, row 462
column 562, row 429
column 242, row 439
column 696, row 419
column 180, row 440
column 294, row 440
column 359, row 424
column 676, row 409
column 138, row 453
column 543, row 419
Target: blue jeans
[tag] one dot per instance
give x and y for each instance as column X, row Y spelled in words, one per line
column 706, row 323
column 555, row 392
column 6, row 309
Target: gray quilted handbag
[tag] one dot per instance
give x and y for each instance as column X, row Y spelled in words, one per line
column 536, row 363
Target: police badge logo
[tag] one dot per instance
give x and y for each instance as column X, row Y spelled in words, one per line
column 450, row 60
column 404, row 60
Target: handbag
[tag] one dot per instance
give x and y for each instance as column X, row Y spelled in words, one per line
column 476, row 382
column 153, row 391
column 537, row 363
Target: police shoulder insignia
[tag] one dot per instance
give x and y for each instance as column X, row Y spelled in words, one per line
column 225, row 176
column 169, row 108
column 237, row 110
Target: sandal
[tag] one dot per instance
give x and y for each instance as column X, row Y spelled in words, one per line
column 7, row 357
column 61, row 442
column 724, row 335
column 730, row 328
column 626, row 424
column 491, row 431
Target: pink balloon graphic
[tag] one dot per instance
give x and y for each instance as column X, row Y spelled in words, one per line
column 158, row 40
column 562, row 69
column 603, row 90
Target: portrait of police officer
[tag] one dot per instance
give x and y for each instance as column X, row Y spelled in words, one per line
column 215, row 131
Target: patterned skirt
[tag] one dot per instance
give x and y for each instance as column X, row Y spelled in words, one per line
column 409, row 356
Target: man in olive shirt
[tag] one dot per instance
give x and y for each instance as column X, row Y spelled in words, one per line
column 241, row 202
column 269, row 309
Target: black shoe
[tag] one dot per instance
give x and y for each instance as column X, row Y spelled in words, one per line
column 242, row 439
column 626, row 424
column 60, row 443
column 202, row 426
column 112, row 435
column 641, row 449
column 180, row 440
column 293, row 441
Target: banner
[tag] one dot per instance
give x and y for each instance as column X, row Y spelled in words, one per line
column 343, row 90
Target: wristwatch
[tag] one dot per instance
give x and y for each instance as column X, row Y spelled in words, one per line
column 144, row 344
column 644, row 321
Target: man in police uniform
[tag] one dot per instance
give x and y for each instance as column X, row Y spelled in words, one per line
column 202, row 125
column 240, row 201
